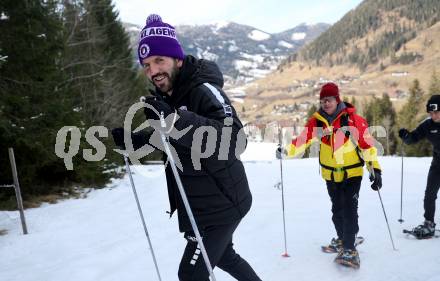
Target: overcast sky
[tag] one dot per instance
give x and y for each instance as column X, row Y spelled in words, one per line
column 270, row 16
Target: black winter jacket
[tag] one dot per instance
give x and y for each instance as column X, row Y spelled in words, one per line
column 431, row 131
column 218, row 192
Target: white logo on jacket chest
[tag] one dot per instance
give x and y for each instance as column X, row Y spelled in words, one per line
column 434, row 131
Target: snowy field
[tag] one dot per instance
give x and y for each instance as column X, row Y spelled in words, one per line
column 101, row 237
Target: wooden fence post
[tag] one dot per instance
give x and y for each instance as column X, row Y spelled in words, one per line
column 17, row 189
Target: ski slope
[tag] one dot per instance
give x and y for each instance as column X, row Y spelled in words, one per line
column 101, row 237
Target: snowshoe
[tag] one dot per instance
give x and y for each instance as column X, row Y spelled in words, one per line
column 349, row 258
column 423, row 231
column 336, row 245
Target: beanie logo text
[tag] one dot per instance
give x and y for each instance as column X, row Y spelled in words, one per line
column 158, row 38
column 144, row 50
column 158, row 31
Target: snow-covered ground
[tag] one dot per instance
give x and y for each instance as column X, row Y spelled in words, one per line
column 101, row 237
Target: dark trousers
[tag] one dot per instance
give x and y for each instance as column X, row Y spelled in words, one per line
column 218, row 244
column 344, row 196
column 431, row 191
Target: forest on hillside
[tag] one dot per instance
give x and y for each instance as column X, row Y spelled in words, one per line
column 62, row 63
column 390, row 24
column 67, row 66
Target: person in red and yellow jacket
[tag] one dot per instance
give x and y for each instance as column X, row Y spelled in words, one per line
column 345, row 146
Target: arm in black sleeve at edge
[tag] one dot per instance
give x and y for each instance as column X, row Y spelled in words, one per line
column 138, row 139
column 418, row 134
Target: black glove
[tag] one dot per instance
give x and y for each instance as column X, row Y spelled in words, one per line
column 118, row 137
column 159, row 105
column 376, row 179
column 403, row 134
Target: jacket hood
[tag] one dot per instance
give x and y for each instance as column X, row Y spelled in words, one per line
column 193, row 73
column 349, row 108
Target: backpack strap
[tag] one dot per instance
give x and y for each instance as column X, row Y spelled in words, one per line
column 344, row 123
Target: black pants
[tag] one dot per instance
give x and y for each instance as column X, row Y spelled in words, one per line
column 344, row 196
column 218, row 244
column 431, row 191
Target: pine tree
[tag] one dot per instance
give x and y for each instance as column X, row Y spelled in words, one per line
column 353, row 101
column 312, row 110
column 388, row 121
column 101, row 68
column 411, row 115
column 33, row 106
column 100, row 62
column 434, row 85
column 380, row 112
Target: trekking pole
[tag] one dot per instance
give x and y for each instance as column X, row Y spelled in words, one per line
column 384, row 213
column 141, row 215
column 401, row 185
column 285, row 255
column 165, row 142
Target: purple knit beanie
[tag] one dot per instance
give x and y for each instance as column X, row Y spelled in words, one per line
column 158, row 38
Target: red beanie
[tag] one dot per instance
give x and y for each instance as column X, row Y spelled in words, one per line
column 330, row 90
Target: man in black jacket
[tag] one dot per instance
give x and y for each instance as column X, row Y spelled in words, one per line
column 189, row 95
column 429, row 129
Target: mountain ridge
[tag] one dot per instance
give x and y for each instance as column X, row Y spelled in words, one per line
column 386, row 49
column 243, row 53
